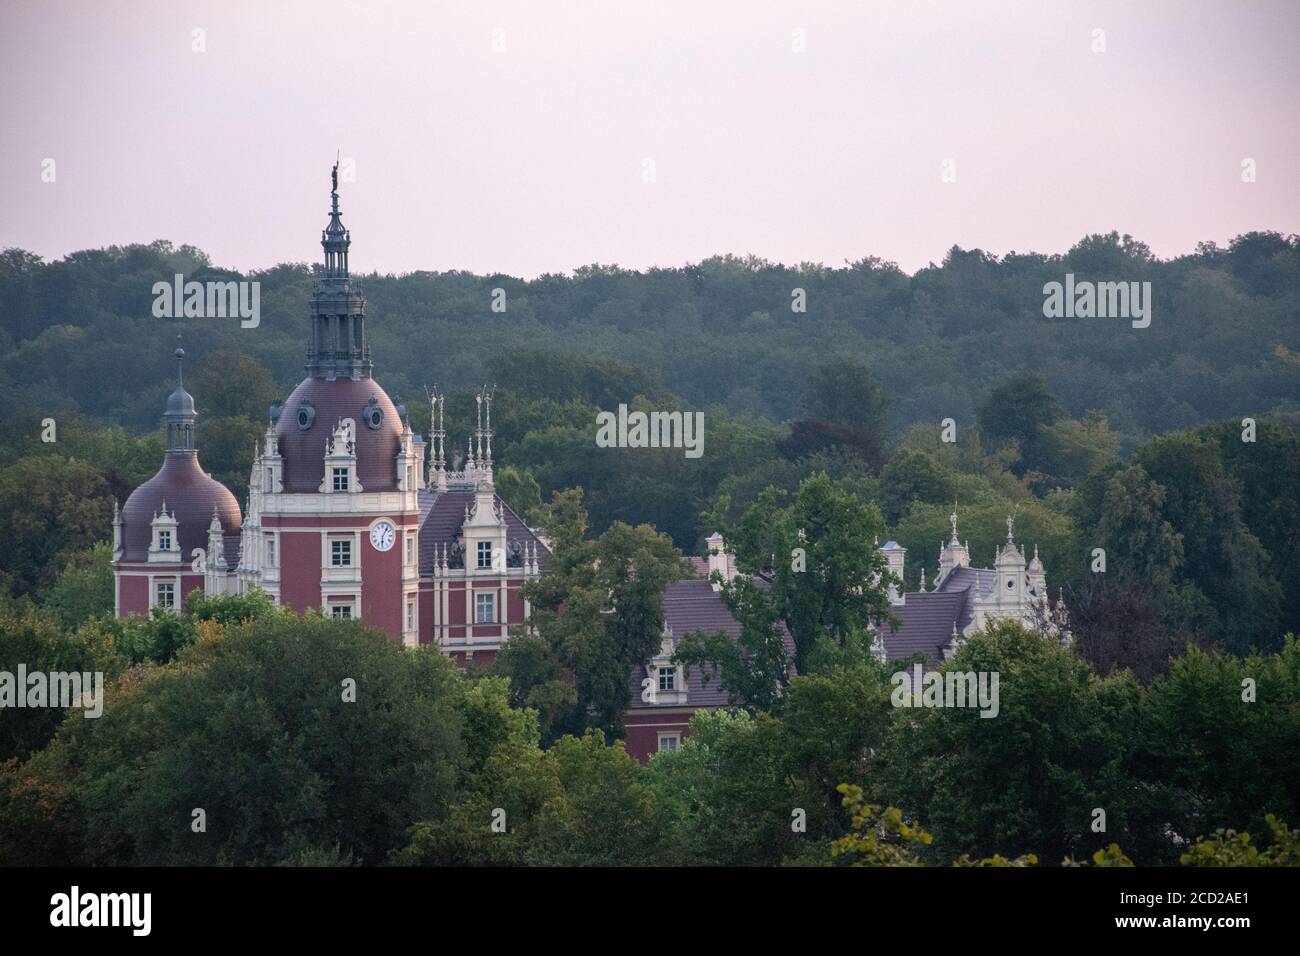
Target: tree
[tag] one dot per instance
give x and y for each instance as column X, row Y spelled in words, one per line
column 41, row 646
column 1018, row 409
column 519, row 489
column 56, row 507
column 597, row 611
column 232, row 384
column 846, row 406
column 84, row 588
column 819, row 558
column 1221, row 557
column 310, row 735
column 912, row 476
column 1222, row 736
column 1028, row 779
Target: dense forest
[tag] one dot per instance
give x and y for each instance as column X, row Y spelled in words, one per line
column 1174, row 449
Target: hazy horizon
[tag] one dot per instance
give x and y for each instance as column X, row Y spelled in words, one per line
column 530, row 159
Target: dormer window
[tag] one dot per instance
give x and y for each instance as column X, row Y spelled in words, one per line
column 340, row 479
column 164, row 540
column 667, row 679
column 485, row 554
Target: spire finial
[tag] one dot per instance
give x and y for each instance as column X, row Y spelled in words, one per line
column 180, row 363
column 1011, row 523
column 952, row 520
column 334, row 183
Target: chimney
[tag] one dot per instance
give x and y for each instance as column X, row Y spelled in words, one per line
column 719, row 560
column 894, row 554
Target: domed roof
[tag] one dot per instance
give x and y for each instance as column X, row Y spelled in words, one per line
column 303, row 449
column 190, row 495
column 180, row 402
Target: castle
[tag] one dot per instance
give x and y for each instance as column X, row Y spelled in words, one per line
column 353, row 514
column 346, row 513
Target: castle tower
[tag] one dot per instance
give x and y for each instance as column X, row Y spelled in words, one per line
column 334, row 490
column 163, row 534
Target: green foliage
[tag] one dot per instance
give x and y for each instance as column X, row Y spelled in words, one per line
column 1230, row 848
column 251, row 726
column 1059, row 729
column 54, row 508
column 520, row 490
column 597, row 610
column 42, row 646
column 912, row 476
column 84, row 588
column 1020, row 409
column 829, row 587
column 879, row 836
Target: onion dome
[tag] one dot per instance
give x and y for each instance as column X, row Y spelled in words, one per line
column 310, row 415
column 181, row 485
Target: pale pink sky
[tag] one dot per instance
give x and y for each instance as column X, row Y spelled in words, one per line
column 530, row 160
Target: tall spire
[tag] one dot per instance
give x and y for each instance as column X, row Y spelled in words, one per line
column 337, row 347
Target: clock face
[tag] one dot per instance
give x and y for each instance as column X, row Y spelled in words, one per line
column 382, row 536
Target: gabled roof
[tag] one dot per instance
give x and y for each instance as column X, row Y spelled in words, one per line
column 692, row 605
column 983, row 582
column 926, row 620
column 443, row 513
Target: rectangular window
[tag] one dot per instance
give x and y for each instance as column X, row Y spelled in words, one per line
column 669, row 741
column 342, row 612
column 340, row 479
column 166, row 594
column 410, row 549
column 410, row 615
column 270, row 552
column 485, row 554
column 485, row 608
column 164, row 540
column 341, row 554
column 667, row 678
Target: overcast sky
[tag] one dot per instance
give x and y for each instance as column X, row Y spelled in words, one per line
column 533, row 158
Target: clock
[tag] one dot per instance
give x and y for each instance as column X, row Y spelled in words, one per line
column 382, row 535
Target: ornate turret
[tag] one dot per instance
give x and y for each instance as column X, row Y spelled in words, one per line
column 338, row 387
column 953, row 554
column 337, row 347
column 180, row 415
column 167, row 518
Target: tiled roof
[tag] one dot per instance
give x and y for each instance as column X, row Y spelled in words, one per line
column 982, row 581
column 441, row 517
column 926, row 620
column 230, row 550
column 190, row 494
column 304, row 451
column 692, row 605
